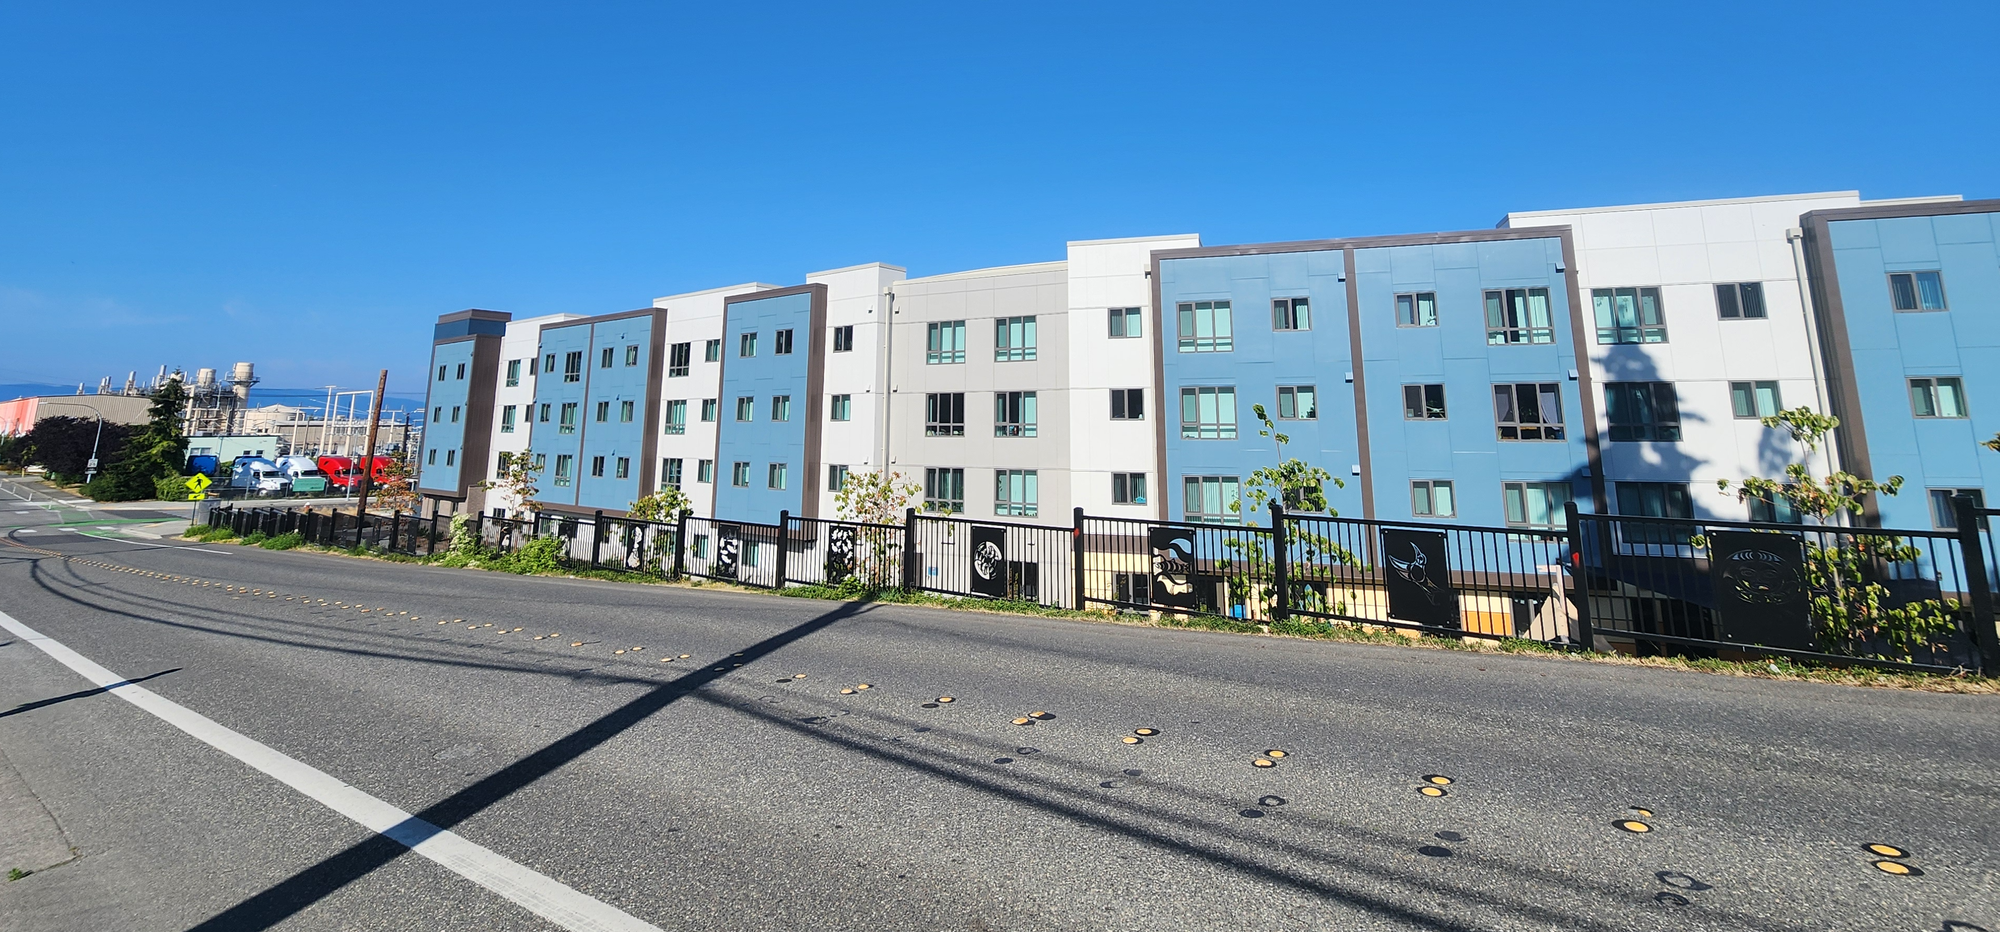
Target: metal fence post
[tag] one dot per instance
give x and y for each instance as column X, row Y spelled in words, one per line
column 1076, row 554
column 784, row 537
column 910, row 567
column 1281, row 568
column 596, row 536
column 1977, row 585
column 395, row 525
column 680, row 543
column 1579, row 573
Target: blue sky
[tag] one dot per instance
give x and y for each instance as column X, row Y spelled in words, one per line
column 308, row 188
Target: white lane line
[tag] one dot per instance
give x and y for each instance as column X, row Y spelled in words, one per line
column 539, row 894
column 141, row 543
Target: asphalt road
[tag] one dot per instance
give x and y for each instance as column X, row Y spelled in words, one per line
column 741, row 788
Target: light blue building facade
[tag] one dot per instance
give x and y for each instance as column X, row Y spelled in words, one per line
column 465, row 352
column 768, row 436
column 1909, row 310
column 1442, row 372
column 595, row 415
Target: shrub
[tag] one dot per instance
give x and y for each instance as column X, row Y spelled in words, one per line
column 171, row 488
column 285, row 541
column 541, row 555
column 256, row 537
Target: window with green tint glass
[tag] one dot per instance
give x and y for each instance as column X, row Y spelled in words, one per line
column 1432, row 498
column 1208, row 413
column 1940, row 397
column 1298, row 402
column 1535, row 504
column 1518, row 316
column 1013, row 339
column 1206, row 327
column 1754, row 399
column 1916, row 291
column 1016, row 493
column 1290, row 314
column 677, row 417
column 944, row 342
column 1629, row 315
column 1211, row 499
column 1417, row 309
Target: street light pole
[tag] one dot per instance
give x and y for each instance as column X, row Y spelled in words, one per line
column 90, row 469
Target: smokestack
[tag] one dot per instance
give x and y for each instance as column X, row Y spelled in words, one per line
column 132, row 382
column 241, row 378
column 204, row 379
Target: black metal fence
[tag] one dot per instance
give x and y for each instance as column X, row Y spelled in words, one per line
column 1887, row 598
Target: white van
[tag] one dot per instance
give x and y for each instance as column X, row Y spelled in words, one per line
column 257, row 474
column 304, row 473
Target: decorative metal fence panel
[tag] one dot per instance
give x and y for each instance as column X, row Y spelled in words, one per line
column 820, row 552
column 993, row 559
column 736, row 551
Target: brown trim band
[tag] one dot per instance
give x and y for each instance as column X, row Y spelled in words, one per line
column 1586, row 394
column 1360, row 242
column 1364, row 451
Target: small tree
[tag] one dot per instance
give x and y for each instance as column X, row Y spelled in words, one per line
column 1298, row 486
column 664, row 506
column 519, row 479
column 63, row 444
column 1848, row 607
column 875, row 498
column 395, row 487
column 158, row 451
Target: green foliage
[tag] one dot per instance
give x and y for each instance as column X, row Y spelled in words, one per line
column 1849, row 606
column 395, row 489
column 541, row 555
column 518, row 478
column 463, row 541
column 170, row 488
column 664, row 506
column 1299, row 487
column 875, row 497
column 63, row 443
column 255, row 537
column 285, row 541
column 208, row 534
column 158, row 451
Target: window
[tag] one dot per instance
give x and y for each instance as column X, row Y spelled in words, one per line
column 745, row 407
column 1126, row 324
column 507, row 419
column 1528, row 411
column 1534, row 504
column 506, row 460
column 1916, row 291
column 541, row 460
column 441, row 371
column 1208, row 413
column 568, row 425
column 1643, row 411
column 451, row 457
column 603, row 411
column 624, row 470
column 944, row 414
column 573, row 366
column 437, row 414
column 432, row 459
column 1417, row 309
column 1290, row 314
column 1128, row 404
column 632, row 355
column 781, row 407
column 454, row 413
column 1205, row 327
column 670, row 472
column 1740, row 301
column 461, row 372
column 711, row 351
column 513, row 373
column 1755, row 399
column 746, row 345
column 677, row 417
column 1298, row 402
column 1944, row 515
column 1209, row 499
column 739, row 475
column 680, row 357
column 840, row 408
column 1013, row 414
column 549, row 363
column 563, row 461
column 944, row 491
column 704, row 470
column 774, row 476
column 944, row 342
column 1628, row 315
column 604, row 358
column 836, row 478
column 781, row 343
column 711, row 409
column 1015, row 493
column 1773, row 509
column 1431, row 498
column 597, row 467
column 1013, row 339
column 1423, row 402
column 1655, row 500
column 545, row 414
column 843, row 339
column 1128, row 488
column 1518, row 315
column 625, row 412
column 1938, row 397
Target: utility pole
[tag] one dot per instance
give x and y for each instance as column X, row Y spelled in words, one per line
column 368, row 471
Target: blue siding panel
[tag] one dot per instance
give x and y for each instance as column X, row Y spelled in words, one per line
column 760, row 441
column 444, row 436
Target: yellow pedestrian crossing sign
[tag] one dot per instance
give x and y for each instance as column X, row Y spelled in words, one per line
column 197, row 487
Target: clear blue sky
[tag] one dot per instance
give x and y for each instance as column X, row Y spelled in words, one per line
column 194, row 184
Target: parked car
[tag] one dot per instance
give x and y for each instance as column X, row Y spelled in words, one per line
column 304, row 472
column 257, row 474
column 206, row 464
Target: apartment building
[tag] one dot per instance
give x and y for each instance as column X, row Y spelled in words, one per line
column 1617, row 357
column 1908, row 300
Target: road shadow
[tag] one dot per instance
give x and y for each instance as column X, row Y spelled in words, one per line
column 85, row 694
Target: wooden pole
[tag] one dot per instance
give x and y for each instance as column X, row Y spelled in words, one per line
column 374, row 421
